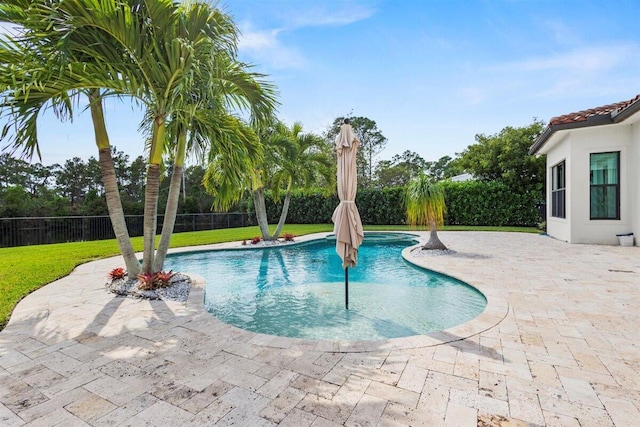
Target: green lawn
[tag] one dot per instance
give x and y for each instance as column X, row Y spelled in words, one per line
column 27, row 268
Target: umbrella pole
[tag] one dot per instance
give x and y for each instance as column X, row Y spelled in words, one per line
column 346, row 287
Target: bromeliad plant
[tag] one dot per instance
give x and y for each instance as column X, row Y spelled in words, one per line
column 149, row 281
column 288, row 237
column 117, row 274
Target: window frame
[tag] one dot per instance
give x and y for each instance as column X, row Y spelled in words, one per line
column 558, row 195
column 604, row 187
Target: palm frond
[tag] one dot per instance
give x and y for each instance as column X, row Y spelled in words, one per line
column 424, row 201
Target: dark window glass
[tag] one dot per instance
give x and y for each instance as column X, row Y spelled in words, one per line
column 605, row 185
column 558, row 190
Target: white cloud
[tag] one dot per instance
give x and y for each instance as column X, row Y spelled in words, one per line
column 327, row 15
column 265, row 48
column 562, row 33
column 586, row 70
column 592, row 59
column 257, row 40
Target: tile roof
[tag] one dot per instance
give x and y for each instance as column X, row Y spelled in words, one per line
column 583, row 115
column 607, row 114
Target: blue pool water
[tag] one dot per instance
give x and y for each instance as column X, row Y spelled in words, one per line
column 298, row 291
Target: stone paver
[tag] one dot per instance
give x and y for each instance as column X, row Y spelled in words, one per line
column 557, row 345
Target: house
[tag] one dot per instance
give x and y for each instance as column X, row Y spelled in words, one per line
column 593, row 173
column 462, row 177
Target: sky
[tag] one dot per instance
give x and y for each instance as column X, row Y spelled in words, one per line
column 431, row 73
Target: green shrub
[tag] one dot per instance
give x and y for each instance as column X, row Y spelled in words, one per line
column 489, row 203
column 468, row 203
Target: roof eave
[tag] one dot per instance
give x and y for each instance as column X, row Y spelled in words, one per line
column 625, row 113
column 597, row 120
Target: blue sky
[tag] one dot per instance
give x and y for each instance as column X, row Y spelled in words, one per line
column 432, row 74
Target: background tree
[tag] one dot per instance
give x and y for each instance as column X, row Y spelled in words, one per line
column 504, row 157
column 133, row 186
column 372, row 142
column 398, row 171
column 425, row 206
column 13, row 171
column 28, row 189
column 73, row 181
column 443, row 168
column 196, row 199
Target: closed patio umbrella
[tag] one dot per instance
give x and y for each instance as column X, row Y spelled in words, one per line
column 346, row 218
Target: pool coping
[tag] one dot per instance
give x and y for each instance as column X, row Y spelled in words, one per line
column 496, row 310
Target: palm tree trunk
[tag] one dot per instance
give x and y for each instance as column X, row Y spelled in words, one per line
column 261, row 213
column 171, row 209
column 116, row 213
column 151, row 194
column 170, row 214
column 283, row 214
column 110, row 182
column 434, row 242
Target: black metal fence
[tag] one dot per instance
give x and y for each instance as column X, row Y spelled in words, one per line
column 39, row 231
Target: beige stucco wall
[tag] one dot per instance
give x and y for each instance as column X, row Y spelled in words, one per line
column 634, row 188
column 575, row 147
column 598, row 139
column 559, row 228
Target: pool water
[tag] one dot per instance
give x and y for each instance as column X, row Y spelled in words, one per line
column 298, row 291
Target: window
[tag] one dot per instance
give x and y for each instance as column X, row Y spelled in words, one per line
column 605, row 185
column 558, row 191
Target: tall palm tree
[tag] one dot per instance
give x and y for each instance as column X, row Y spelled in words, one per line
column 292, row 160
column 33, row 79
column 159, row 44
column 227, row 188
column 225, row 178
column 426, row 206
column 149, row 50
column 300, row 159
column 220, row 86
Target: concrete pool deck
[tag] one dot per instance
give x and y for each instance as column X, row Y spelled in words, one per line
column 557, row 345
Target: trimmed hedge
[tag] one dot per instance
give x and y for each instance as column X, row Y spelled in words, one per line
column 489, row 203
column 468, row 203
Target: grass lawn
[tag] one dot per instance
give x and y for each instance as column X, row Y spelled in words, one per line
column 27, row 268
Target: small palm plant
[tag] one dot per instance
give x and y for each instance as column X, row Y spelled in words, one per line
column 425, row 206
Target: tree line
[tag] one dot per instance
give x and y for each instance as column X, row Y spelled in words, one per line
column 76, row 188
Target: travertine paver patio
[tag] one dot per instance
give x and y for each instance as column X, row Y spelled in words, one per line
column 558, row 346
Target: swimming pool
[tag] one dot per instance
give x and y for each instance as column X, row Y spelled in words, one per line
column 298, row 290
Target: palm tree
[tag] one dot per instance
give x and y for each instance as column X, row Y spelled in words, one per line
column 151, row 51
column 159, row 46
column 292, row 160
column 425, row 206
column 31, row 66
column 299, row 159
column 220, row 85
column 227, row 187
column 225, row 137
column 227, row 180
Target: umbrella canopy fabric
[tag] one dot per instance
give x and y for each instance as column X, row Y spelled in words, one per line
column 346, row 218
